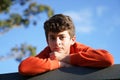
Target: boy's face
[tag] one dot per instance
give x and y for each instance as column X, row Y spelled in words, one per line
column 60, row 42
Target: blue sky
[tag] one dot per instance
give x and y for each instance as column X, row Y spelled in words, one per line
column 97, row 25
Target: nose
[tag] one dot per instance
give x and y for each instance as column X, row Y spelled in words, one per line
column 57, row 42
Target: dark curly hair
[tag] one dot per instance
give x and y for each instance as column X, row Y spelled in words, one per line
column 59, row 23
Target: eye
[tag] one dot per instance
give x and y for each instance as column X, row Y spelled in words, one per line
column 62, row 37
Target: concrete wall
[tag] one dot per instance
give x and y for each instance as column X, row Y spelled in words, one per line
column 71, row 73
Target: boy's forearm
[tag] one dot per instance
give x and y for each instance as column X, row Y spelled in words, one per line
column 35, row 65
column 92, row 58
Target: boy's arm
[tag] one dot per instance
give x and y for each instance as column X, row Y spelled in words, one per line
column 35, row 65
column 91, row 58
column 82, row 55
column 38, row 64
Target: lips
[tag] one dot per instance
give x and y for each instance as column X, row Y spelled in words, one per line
column 57, row 49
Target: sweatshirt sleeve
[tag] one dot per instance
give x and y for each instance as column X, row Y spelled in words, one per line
column 89, row 57
column 34, row 65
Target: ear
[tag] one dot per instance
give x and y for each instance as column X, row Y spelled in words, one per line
column 73, row 40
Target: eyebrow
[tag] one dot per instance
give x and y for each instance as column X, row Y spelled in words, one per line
column 56, row 34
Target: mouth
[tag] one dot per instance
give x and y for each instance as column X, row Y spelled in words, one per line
column 57, row 49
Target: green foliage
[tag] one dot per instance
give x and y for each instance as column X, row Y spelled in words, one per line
column 22, row 51
column 16, row 19
column 5, row 5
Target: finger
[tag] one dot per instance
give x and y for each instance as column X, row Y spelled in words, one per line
column 52, row 57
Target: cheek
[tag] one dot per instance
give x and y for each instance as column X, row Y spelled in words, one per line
column 67, row 44
column 50, row 44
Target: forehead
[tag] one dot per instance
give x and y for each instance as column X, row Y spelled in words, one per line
column 59, row 33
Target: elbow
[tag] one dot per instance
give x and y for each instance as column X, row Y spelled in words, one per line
column 109, row 61
column 25, row 70
column 22, row 70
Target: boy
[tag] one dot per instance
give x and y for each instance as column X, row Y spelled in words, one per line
column 63, row 50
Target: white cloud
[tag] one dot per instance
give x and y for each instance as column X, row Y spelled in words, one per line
column 100, row 10
column 75, row 16
column 82, row 20
column 85, row 29
column 81, row 16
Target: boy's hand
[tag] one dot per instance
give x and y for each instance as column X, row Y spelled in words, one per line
column 63, row 64
column 60, row 56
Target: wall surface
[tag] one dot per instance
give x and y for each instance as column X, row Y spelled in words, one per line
column 71, row 73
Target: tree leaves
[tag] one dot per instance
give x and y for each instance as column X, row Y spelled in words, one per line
column 20, row 52
column 16, row 19
column 5, row 5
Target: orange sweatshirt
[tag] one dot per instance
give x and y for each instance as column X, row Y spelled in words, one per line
column 80, row 55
